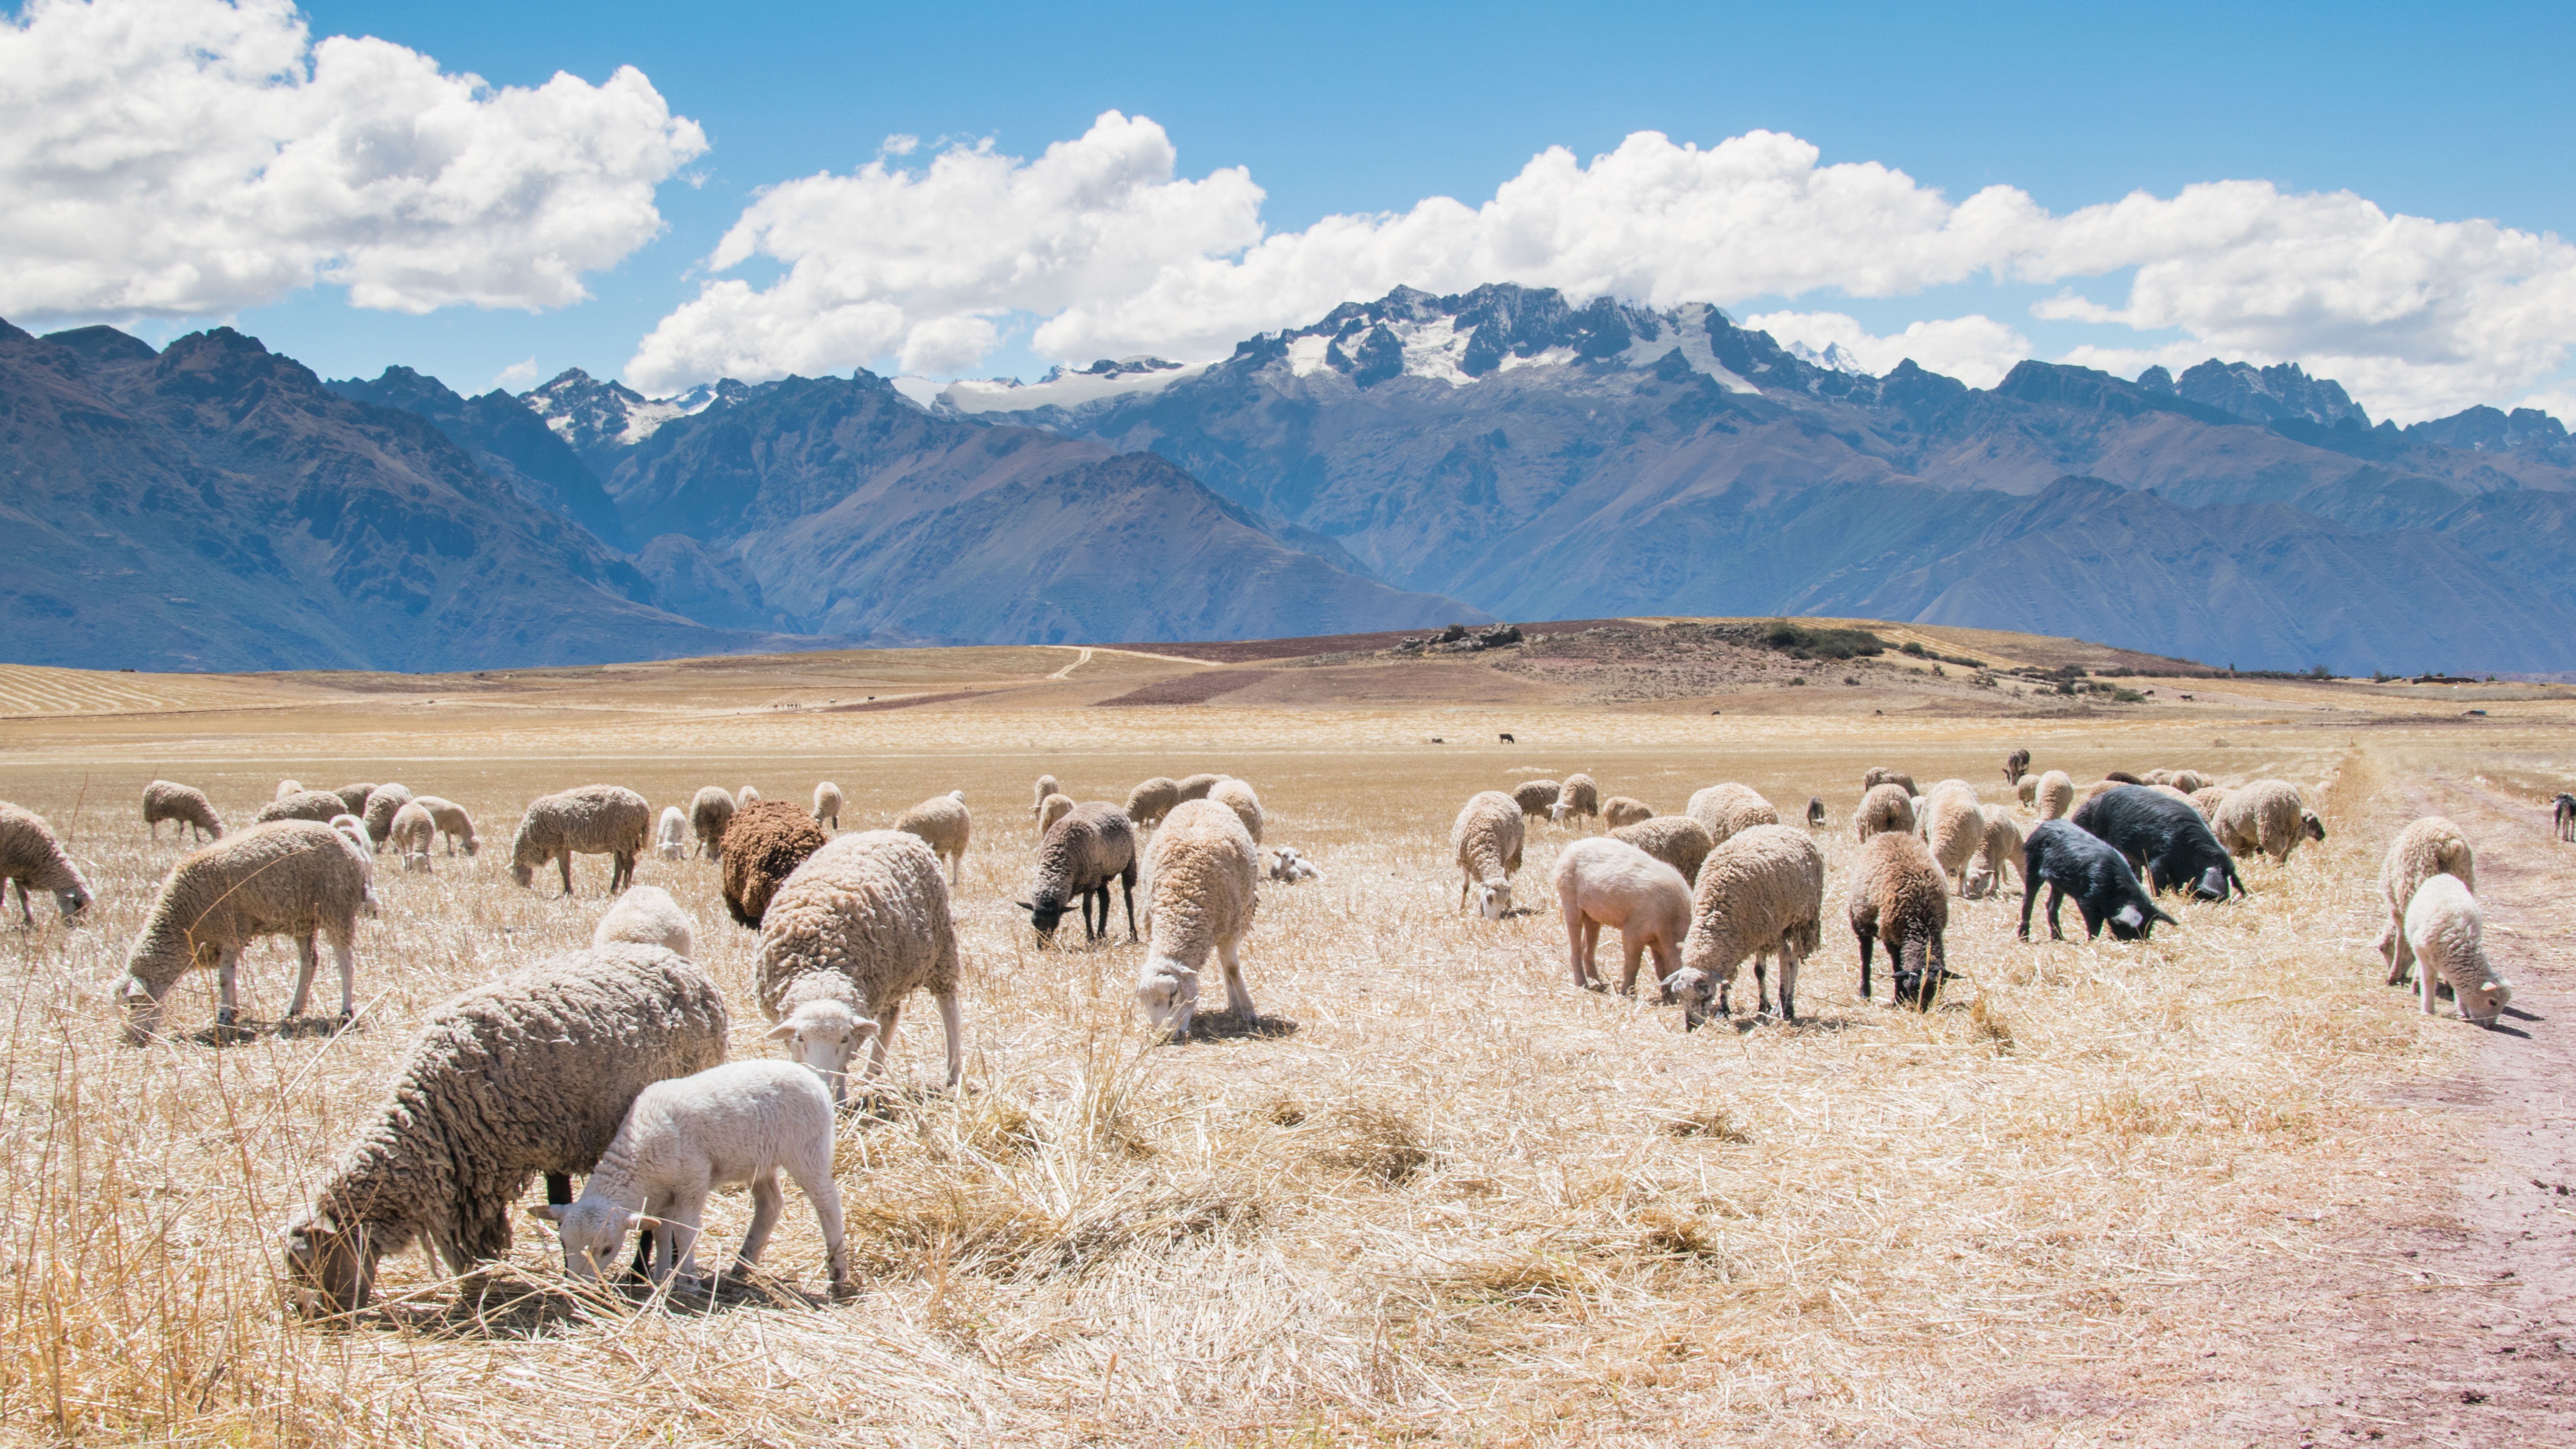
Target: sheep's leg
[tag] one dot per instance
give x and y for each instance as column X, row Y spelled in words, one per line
column 345, row 956
column 308, row 960
column 1761, row 982
column 1238, row 997
column 1578, row 957
column 156, row 830
column 680, row 1226
column 563, row 863
column 814, row 1179
column 26, row 912
column 886, row 1020
column 227, row 967
column 1866, row 941
column 953, row 1025
column 767, row 1202
column 1128, row 881
column 2056, row 898
column 2401, row 955
column 1788, row 985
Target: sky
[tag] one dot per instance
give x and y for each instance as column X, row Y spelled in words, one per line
column 669, row 194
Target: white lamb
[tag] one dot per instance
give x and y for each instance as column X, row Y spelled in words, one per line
column 412, row 834
column 745, row 798
column 647, row 916
column 1291, row 868
column 1202, row 885
column 2446, row 932
column 1486, row 839
column 730, row 1126
column 1605, row 882
column 827, row 804
column 671, row 836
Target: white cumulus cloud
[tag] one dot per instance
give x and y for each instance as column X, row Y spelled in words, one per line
column 192, row 157
column 1975, row 349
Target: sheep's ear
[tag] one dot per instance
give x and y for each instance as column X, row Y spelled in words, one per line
column 642, row 1220
column 780, row 1032
column 545, row 1212
column 1024, row 905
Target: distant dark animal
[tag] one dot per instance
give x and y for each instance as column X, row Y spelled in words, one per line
column 2164, row 836
column 2124, row 777
column 1815, row 810
column 2069, row 861
column 2016, row 765
column 1507, row 739
column 2566, row 816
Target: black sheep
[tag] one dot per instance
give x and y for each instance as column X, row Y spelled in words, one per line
column 2106, row 891
column 2163, row 836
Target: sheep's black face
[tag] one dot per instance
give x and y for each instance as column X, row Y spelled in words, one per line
column 328, row 1269
column 1044, row 913
column 2212, row 885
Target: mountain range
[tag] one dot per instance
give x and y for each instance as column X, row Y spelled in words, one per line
column 1399, row 463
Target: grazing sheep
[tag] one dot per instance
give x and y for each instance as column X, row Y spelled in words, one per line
column 1878, row 775
column 2068, row 860
column 2123, row 777
column 286, row 878
column 1722, row 810
column 383, row 803
column 163, row 800
column 1291, row 868
column 1201, row 888
column 286, row 788
column 733, row 1125
column 2426, row 848
column 944, row 822
column 827, row 805
column 671, row 836
column 1606, row 882
column 1956, row 832
column 531, row 1074
column 605, row 820
column 1760, row 892
column 318, row 806
column 355, row 831
column 1486, row 841
column 861, row 925
column 412, row 835
column 1676, row 840
column 2016, row 765
column 1536, row 797
column 647, row 916
column 452, row 822
column 2265, row 816
column 746, row 797
column 2563, row 815
column 1577, row 796
column 1898, row 900
column 1050, row 810
column 1237, row 796
column 2056, row 795
column 762, row 847
column 2164, row 834
column 1815, row 811
column 353, row 798
column 1619, row 812
column 1047, row 788
column 2207, row 801
column 1885, row 807
column 1196, row 787
column 31, row 856
column 1092, row 845
column 2190, row 782
column 2003, row 844
column 2447, row 932
column 1151, row 800
column 710, row 811
column 2026, row 790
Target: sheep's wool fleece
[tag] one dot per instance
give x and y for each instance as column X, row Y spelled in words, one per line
column 30, row 853
column 871, row 906
column 283, row 878
column 1205, row 870
column 762, row 846
column 1722, row 810
column 1676, row 840
column 2262, row 815
column 1486, row 838
column 1761, row 890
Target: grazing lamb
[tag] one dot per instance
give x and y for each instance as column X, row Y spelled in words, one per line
column 1878, row 775
column 1536, row 797
column 1815, row 811
column 1760, row 892
column 1050, row 810
column 383, row 803
column 733, row 1125
column 1151, row 800
column 1619, row 812
column 861, row 925
column 671, row 835
column 1577, row 796
column 2016, row 765
column 531, row 1074
column 2426, row 848
column 1956, row 832
column 1047, row 788
column 2003, row 844
column 353, row 798
column 647, row 916
column 452, row 822
column 2056, row 795
column 318, row 806
column 605, row 820
column 2067, row 860
column 286, row 878
column 1897, row 900
column 762, row 847
column 1195, row 787
column 412, row 835
column 2026, row 790
column 2164, row 834
column 827, row 805
column 746, row 796
column 944, row 822
column 1091, row 846
column 1885, row 807
column 31, row 856
column 1607, row 882
column 1201, row 888
column 1237, row 796
column 1291, row 868
column 2446, row 931
column 1722, row 810
column 163, row 800
column 2265, row 816
column 1486, row 841
column 710, row 811
column 1676, row 840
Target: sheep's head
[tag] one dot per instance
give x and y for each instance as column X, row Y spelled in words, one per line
column 593, row 1232
column 826, row 1036
column 2484, row 1003
column 2136, row 919
column 1697, row 991
column 1169, row 992
column 329, row 1269
column 523, row 873
column 2315, row 828
column 1494, row 899
column 74, row 898
column 1045, row 909
column 2212, row 885
column 143, row 1011
column 416, row 861
column 1980, row 884
column 471, row 844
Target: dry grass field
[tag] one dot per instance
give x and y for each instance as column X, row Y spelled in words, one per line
column 2106, row 1192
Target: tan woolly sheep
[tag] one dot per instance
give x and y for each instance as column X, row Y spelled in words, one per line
column 1577, row 796
column 1607, row 882
column 412, row 835
column 2056, row 795
column 2207, row 801
column 710, row 811
column 452, row 821
column 1536, row 797
column 318, row 806
column 164, row 800
column 2265, row 816
column 1195, row 787
column 671, row 835
column 1957, row 831
column 31, row 856
column 2002, row 852
column 946, row 824
column 1050, row 810
column 1237, row 796
column 1897, row 899
column 1878, row 775
column 2426, row 848
column 1486, row 841
column 1676, row 840
column 1723, row 810
column 647, row 916
column 763, row 846
column 1201, row 888
column 1619, row 811
column 1760, row 893
column 1047, row 789
column 1151, row 800
column 353, row 798
column 286, row 788
column 383, row 803
column 861, row 925
column 286, row 878
column 827, row 805
column 1884, row 807
column 1091, row 846
column 608, row 820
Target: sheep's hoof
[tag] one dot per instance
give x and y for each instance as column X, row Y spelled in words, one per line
column 225, row 1016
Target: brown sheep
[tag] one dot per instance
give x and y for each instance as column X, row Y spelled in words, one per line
column 762, row 846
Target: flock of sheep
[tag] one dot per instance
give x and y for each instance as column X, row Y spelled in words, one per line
column 610, row 1062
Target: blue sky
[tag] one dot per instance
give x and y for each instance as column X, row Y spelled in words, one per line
column 2451, row 113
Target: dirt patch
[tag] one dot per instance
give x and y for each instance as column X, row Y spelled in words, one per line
column 1191, row 688
column 1248, row 651
column 909, row 702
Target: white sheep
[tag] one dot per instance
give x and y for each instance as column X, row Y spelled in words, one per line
column 452, row 822
column 1047, row 789
column 1290, row 868
column 31, row 856
column 1724, row 810
column 1577, row 796
column 1237, row 796
column 1619, row 811
column 2003, row 844
column 2056, row 795
column 1957, row 831
column 1201, row 888
column 2026, row 790
column 1601, row 881
column 1151, row 800
column 710, row 811
column 286, row 788
column 2446, row 931
column 286, row 878
column 827, row 805
column 648, row 916
column 2265, row 816
column 1761, row 892
column 412, row 835
column 733, row 1125
column 608, row 820
column 671, row 836
column 945, row 823
column 1050, row 810
column 861, row 925
column 318, row 806
column 165, row 800
column 1486, row 839
column 383, row 803
column 1883, row 807
column 2426, row 848
column 354, row 830
column 745, row 798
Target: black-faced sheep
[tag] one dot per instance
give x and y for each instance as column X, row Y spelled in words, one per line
column 2165, row 834
column 2265, row 816
column 710, row 811
column 1815, row 811
column 762, row 846
column 1897, row 899
column 383, row 803
column 861, row 925
column 1578, row 796
column 2070, row 861
column 32, row 857
column 945, row 824
column 164, row 800
column 1091, row 846
column 1201, row 886
column 1883, row 807
column 2016, row 765
column 1536, row 797
column 1607, row 882
column 1151, row 800
column 1676, row 840
column 286, row 878
column 1486, row 841
column 1760, row 893
column 2562, row 814
column 1722, row 810
column 531, row 1074
column 608, row 820
column 2446, row 931
column 1619, row 812
column 318, row 806
column 2426, row 848
column 827, row 805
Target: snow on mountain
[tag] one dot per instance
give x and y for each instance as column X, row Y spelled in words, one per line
column 1120, row 378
